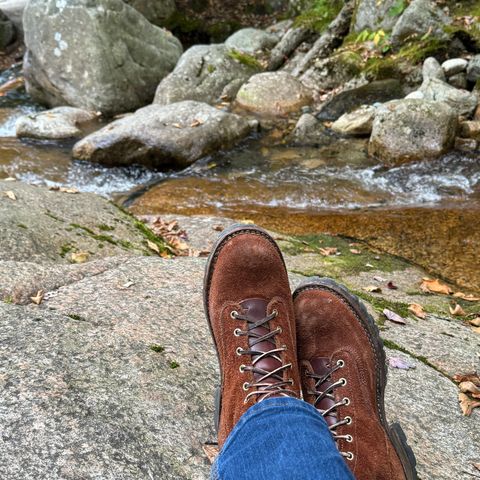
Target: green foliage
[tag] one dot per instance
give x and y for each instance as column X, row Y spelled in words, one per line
column 319, row 14
column 398, row 8
column 245, row 59
column 174, row 364
column 380, row 39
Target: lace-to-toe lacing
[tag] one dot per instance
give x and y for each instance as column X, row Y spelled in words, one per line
column 324, row 389
column 267, row 365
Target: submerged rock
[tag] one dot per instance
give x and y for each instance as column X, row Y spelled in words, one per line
column 204, row 73
column 358, row 122
column 462, row 101
column 58, row 123
column 273, row 93
column 251, row 40
column 89, row 55
column 310, row 132
column 420, row 17
column 412, row 130
column 164, row 136
column 348, row 100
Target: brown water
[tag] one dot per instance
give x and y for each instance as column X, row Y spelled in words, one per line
column 427, row 212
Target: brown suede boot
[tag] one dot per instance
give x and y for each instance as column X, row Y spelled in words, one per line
column 249, row 309
column 343, row 370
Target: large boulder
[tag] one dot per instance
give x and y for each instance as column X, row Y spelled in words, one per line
column 251, row 40
column 374, row 15
column 349, row 100
column 58, row 123
column 333, row 71
column 462, row 101
column 205, row 73
column 273, row 93
column 412, row 130
column 90, row 55
column 420, row 17
column 473, row 69
column 159, row 136
column 13, row 10
column 157, row 12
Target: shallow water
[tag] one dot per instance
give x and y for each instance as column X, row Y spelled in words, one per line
column 299, row 190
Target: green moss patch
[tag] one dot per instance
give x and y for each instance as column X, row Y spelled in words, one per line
column 245, row 59
column 318, row 14
column 157, row 348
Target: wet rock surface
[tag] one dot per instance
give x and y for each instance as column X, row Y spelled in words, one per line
column 110, row 378
column 172, row 135
column 89, row 55
column 204, row 73
column 58, row 123
column 412, row 130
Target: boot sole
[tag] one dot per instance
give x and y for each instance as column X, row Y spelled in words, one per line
column 394, row 432
column 224, row 237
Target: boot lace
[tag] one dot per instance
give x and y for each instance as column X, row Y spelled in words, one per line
column 267, row 383
column 328, row 392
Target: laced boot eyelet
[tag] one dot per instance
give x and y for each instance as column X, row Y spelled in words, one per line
column 275, row 312
column 242, row 368
column 239, row 351
column 233, row 314
column 341, row 363
column 280, row 330
column 349, row 439
column 348, row 420
column 346, row 401
column 237, row 332
column 349, row 456
column 343, row 381
column 246, row 386
column 284, row 347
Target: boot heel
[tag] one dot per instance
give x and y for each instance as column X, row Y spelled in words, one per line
column 407, row 457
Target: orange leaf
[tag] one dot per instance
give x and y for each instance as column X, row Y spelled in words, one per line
column 417, row 310
column 467, row 404
column 457, row 310
column 475, row 322
column 468, row 298
column 327, row 251
column 435, row 286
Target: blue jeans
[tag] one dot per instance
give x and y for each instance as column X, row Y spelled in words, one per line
column 280, row 439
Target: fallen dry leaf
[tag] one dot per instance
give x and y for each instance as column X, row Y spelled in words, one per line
column 467, row 377
column 327, row 251
column 10, row 195
column 392, row 286
column 153, row 246
column 63, row 189
column 211, row 451
column 476, row 330
column 197, row 123
column 218, row 228
column 355, row 251
column 417, row 310
column 396, row 362
column 373, row 289
column 126, row 285
column 468, row 298
column 435, row 286
column 467, row 404
column 379, row 279
column 457, row 310
column 468, row 387
column 79, row 257
column 475, row 322
column 176, row 125
column 37, row 299
column 394, row 317
column 476, row 465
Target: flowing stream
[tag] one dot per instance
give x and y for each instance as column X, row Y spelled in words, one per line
column 300, row 190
